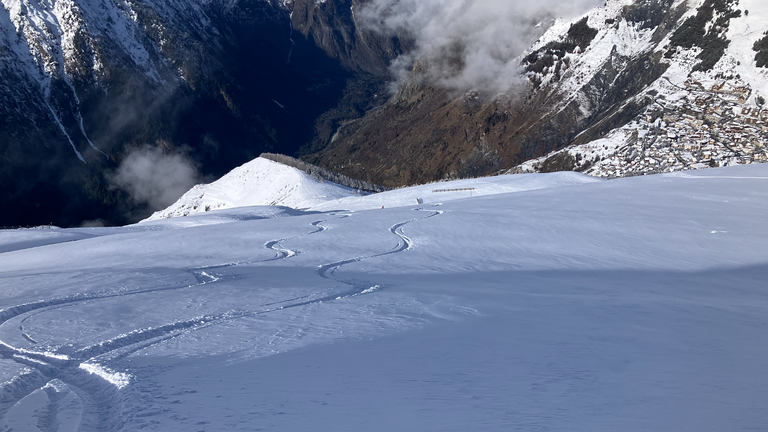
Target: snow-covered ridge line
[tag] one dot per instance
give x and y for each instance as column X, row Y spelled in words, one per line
column 263, row 182
column 260, row 182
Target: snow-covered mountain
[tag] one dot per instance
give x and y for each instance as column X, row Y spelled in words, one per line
column 628, row 87
column 283, row 302
column 630, row 304
column 84, row 84
column 260, row 182
column 263, row 182
column 706, row 109
column 653, row 85
column 59, row 57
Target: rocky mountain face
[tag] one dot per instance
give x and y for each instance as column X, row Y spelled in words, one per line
column 707, row 109
column 84, row 83
column 674, row 85
column 630, row 87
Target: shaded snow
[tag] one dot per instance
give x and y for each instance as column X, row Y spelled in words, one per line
column 743, row 33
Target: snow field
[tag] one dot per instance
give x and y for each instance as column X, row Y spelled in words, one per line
column 635, row 304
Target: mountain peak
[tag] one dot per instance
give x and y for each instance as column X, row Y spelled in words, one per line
column 260, row 182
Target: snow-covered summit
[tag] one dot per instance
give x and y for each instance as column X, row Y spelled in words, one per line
column 260, row 182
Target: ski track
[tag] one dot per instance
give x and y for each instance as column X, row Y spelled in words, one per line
column 357, row 287
column 91, row 388
column 100, row 399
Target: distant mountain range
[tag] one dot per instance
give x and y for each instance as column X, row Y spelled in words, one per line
column 630, row 87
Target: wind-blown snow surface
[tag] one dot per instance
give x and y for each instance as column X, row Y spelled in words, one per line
column 635, row 304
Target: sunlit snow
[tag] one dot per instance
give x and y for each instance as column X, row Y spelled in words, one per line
column 549, row 302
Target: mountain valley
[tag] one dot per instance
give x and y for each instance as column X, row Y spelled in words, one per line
column 105, row 102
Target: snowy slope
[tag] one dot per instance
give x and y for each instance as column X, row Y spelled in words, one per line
column 263, row 182
column 260, row 182
column 456, row 189
column 633, row 304
column 743, row 33
column 615, row 37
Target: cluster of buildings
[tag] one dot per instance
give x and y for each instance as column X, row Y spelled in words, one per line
column 684, row 128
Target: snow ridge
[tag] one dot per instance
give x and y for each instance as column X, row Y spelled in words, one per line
column 260, row 182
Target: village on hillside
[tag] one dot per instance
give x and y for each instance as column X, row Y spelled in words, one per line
column 693, row 126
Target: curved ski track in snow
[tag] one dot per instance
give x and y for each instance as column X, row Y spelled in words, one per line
column 93, row 390
column 48, row 366
column 357, row 287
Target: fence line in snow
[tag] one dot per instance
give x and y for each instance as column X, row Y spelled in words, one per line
column 453, row 190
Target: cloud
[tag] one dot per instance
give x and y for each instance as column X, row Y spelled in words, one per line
column 93, row 223
column 468, row 44
column 154, row 178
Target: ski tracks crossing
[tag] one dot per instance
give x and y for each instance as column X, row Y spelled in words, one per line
column 99, row 398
